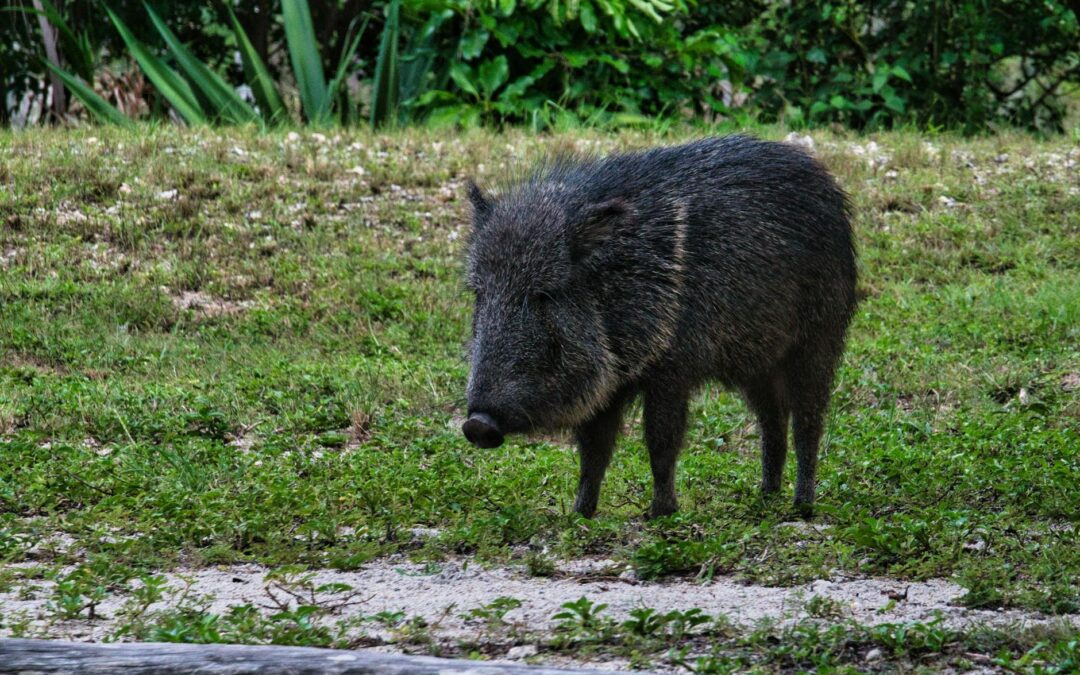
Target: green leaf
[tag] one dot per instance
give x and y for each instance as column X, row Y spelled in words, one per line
column 881, row 77
column 587, row 17
column 492, row 75
column 816, row 55
column 618, row 64
column 902, row 73
column 461, row 114
column 386, row 91
column 173, row 87
column 517, row 88
column 98, row 106
column 227, row 103
column 305, row 59
column 258, row 75
column 647, row 7
column 462, row 76
column 819, row 107
column 472, row 44
column 838, row 102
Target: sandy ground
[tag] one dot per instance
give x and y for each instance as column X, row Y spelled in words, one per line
column 441, row 592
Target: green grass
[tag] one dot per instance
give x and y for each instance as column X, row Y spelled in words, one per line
column 299, row 408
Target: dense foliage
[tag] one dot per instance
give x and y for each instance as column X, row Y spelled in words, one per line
column 963, row 64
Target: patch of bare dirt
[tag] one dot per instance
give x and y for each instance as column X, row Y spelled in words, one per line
column 207, row 306
column 440, row 593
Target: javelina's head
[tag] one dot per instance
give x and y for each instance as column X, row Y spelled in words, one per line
column 539, row 355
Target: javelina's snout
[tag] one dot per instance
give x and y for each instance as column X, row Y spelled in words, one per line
column 482, row 431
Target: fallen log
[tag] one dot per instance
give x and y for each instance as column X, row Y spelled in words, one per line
column 146, row 658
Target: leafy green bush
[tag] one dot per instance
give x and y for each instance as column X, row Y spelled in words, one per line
column 621, row 60
column 970, row 65
column 965, row 65
column 955, row 64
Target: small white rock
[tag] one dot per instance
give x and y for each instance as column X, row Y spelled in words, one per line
column 168, row 194
column 522, row 651
column 795, row 138
column 874, row 655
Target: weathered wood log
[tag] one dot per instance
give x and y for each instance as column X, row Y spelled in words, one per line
column 146, row 658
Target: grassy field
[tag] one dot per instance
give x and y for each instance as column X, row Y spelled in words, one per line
column 227, row 346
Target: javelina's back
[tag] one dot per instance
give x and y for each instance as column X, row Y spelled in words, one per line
column 649, row 273
column 750, row 238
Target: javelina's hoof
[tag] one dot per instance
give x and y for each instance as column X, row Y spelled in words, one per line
column 482, row 431
column 805, row 510
column 661, row 509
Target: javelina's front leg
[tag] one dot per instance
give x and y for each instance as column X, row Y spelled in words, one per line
column 665, row 427
column 596, row 441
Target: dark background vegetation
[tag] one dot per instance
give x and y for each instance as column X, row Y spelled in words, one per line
column 971, row 65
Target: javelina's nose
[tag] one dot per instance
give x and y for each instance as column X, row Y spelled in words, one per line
column 482, row 431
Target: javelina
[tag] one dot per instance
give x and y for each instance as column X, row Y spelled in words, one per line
column 596, row 280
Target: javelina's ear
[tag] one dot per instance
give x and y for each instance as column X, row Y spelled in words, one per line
column 480, row 202
column 595, row 225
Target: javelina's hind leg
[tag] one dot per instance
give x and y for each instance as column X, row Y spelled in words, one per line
column 767, row 401
column 810, row 383
column 596, row 441
column 665, row 427
column 808, row 425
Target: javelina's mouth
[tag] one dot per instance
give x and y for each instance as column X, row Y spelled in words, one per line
column 482, row 431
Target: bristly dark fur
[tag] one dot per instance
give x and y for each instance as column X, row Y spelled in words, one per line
column 649, row 273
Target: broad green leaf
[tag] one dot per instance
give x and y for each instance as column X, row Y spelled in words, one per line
column 902, row 73
column 881, row 77
column 98, row 106
column 462, row 114
column 492, row 75
column 587, row 16
column 896, row 103
column 648, row 9
column 173, row 87
column 472, row 44
column 519, row 86
column 258, row 75
column 227, row 103
column 838, row 102
column 816, row 55
column 305, row 59
column 462, row 76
